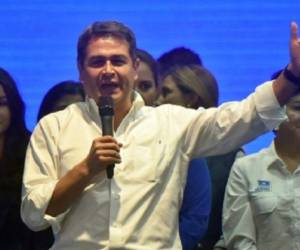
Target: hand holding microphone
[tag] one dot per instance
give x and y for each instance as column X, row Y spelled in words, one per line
column 104, row 153
column 105, row 150
column 106, row 112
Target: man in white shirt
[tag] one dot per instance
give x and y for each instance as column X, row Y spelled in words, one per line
column 65, row 183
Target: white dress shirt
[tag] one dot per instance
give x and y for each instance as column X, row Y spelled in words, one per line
column 139, row 208
column 262, row 204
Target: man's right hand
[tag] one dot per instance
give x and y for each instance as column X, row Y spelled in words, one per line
column 105, row 151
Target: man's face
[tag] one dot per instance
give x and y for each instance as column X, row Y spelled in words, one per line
column 109, row 70
column 145, row 84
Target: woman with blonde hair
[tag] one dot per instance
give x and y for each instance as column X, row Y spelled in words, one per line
column 193, row 86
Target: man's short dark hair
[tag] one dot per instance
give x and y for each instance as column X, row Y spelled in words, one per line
column 179, row 56
column 102, row 29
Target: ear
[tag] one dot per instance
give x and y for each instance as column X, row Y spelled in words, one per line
column 136, row 64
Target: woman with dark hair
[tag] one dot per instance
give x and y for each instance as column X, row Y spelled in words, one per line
column 14, row 138
column 147, row 82
column 60, row 96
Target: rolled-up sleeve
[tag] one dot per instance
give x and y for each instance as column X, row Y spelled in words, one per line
column 238, row 225
column 40, row 178
column 223, row 129
column 268, row 108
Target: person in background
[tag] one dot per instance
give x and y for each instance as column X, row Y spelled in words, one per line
column 193, row 86
column 65, row 183
column 178, row 56
column 14, row 137
column 147, row 81
column 261, row 206
column 195, row 208
column 60, row 96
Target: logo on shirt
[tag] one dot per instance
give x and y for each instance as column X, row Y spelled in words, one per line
column 263, row 186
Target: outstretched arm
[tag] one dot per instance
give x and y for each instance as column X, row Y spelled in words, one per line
column 283, row 87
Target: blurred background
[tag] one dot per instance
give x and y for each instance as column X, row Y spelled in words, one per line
column 241, row 42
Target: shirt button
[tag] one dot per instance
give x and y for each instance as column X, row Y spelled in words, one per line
column 116, row 196
column 115, row 224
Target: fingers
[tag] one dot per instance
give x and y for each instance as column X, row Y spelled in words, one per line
column 108, row 156
column 107, row 139
column 294, row 50
column 107, row 149
column 104, row 151
column 106, row 143
column 294, row 31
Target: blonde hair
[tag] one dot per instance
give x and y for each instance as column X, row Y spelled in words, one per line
column 198, row 80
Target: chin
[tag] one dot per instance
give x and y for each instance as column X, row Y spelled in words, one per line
column 116, row 96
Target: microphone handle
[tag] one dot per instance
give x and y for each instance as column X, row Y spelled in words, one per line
column 107, row 129
column 110, row 171
column 107, row 125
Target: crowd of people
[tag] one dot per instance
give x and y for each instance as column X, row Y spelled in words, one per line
column 174, row 149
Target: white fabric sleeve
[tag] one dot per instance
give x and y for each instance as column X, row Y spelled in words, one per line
column 40, row 177
column 238, row 225
column 233, row 124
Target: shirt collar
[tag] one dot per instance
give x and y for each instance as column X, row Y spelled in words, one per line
column 134, row 111
column 274, row 160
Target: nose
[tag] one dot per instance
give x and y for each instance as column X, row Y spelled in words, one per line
column 108, row 67
column 108, row 70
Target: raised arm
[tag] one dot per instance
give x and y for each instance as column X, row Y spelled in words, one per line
column 288, row 83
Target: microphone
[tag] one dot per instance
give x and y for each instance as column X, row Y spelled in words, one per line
column 106, row 111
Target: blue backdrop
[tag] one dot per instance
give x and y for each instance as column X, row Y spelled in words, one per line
column 241, row 42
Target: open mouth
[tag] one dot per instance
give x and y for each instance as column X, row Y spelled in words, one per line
column 109, row 88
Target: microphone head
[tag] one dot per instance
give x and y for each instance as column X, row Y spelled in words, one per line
column 106, row 106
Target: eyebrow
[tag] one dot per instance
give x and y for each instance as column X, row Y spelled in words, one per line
column 108, row 57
